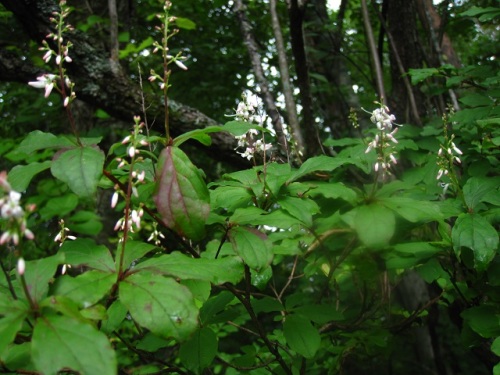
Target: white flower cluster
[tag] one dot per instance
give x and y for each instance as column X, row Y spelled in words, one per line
column 62, row 235
column 384, row 121
column 49, row 81
column 133, row 141
column 247, row 111
column 12, row 214
column 447, row 155
column 134, row 219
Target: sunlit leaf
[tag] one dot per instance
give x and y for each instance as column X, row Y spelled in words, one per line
column 375, row 225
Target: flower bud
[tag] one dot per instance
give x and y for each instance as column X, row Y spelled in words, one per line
column 21, row 266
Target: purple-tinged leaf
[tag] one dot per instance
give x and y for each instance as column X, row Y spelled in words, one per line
column 181, row 197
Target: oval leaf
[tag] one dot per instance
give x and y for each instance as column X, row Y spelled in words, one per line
column 80, row 168
column 79, row 345
column 301, row 336
column 199, row 351
column 217, row 271
column 251, row 246
column 375, row 225
column 476, row 233
column 181, row 196
column 160, row 304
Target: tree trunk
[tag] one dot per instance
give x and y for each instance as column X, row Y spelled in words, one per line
column 402, row 25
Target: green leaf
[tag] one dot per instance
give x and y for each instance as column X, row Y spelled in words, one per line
column 229, row 198
column 18, row 357
column 39, row 273
column 335, row 190
column 375, row 225
column 320, row 314
column 85, row 222
column 185, row 23
column 300, row 208
column 419, row 75
column 495, row 346
column 86, row 289
column 79, row 345
column 115, row 315
column 416, row 249
column 476, row 189
column 201, row 135
column 200, row 350
column 95, row 312
column 200, row 289
column 247, row 215
column 59, row 206
column 484, row 320
column 160, row 304
column 217, row 271
column 476, row 100
column 134, row 250
column 252, row 246
column 38, row 140
column 85, row 252
column 318, row 163
column 11, row 324
column 214, row 306
column 80, row 168
column 476, row 233
column 181, row 196
column 301, row 336
column 151, row 343
column 413, row 210
column 239, row 128
column 20, row 176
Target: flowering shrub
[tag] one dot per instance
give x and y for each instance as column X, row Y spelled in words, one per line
column 302, row 261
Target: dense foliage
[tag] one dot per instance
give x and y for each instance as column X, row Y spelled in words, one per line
column 120, row 255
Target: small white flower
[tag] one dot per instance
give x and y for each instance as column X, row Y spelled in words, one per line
column 21, row 266
column 456, row 149
column 45, row 81
column 440, row 174
column 114, row 199
column 47, row 56
column 131, row 151
column 180, row 65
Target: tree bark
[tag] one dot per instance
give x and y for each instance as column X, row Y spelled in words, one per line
column 376, row 63
column 402, row 25
column 335, row 97
column 291, row 108
column 97, row 83
column 310, row 131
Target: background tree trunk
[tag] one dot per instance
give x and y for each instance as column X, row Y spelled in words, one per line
column 402, row 24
